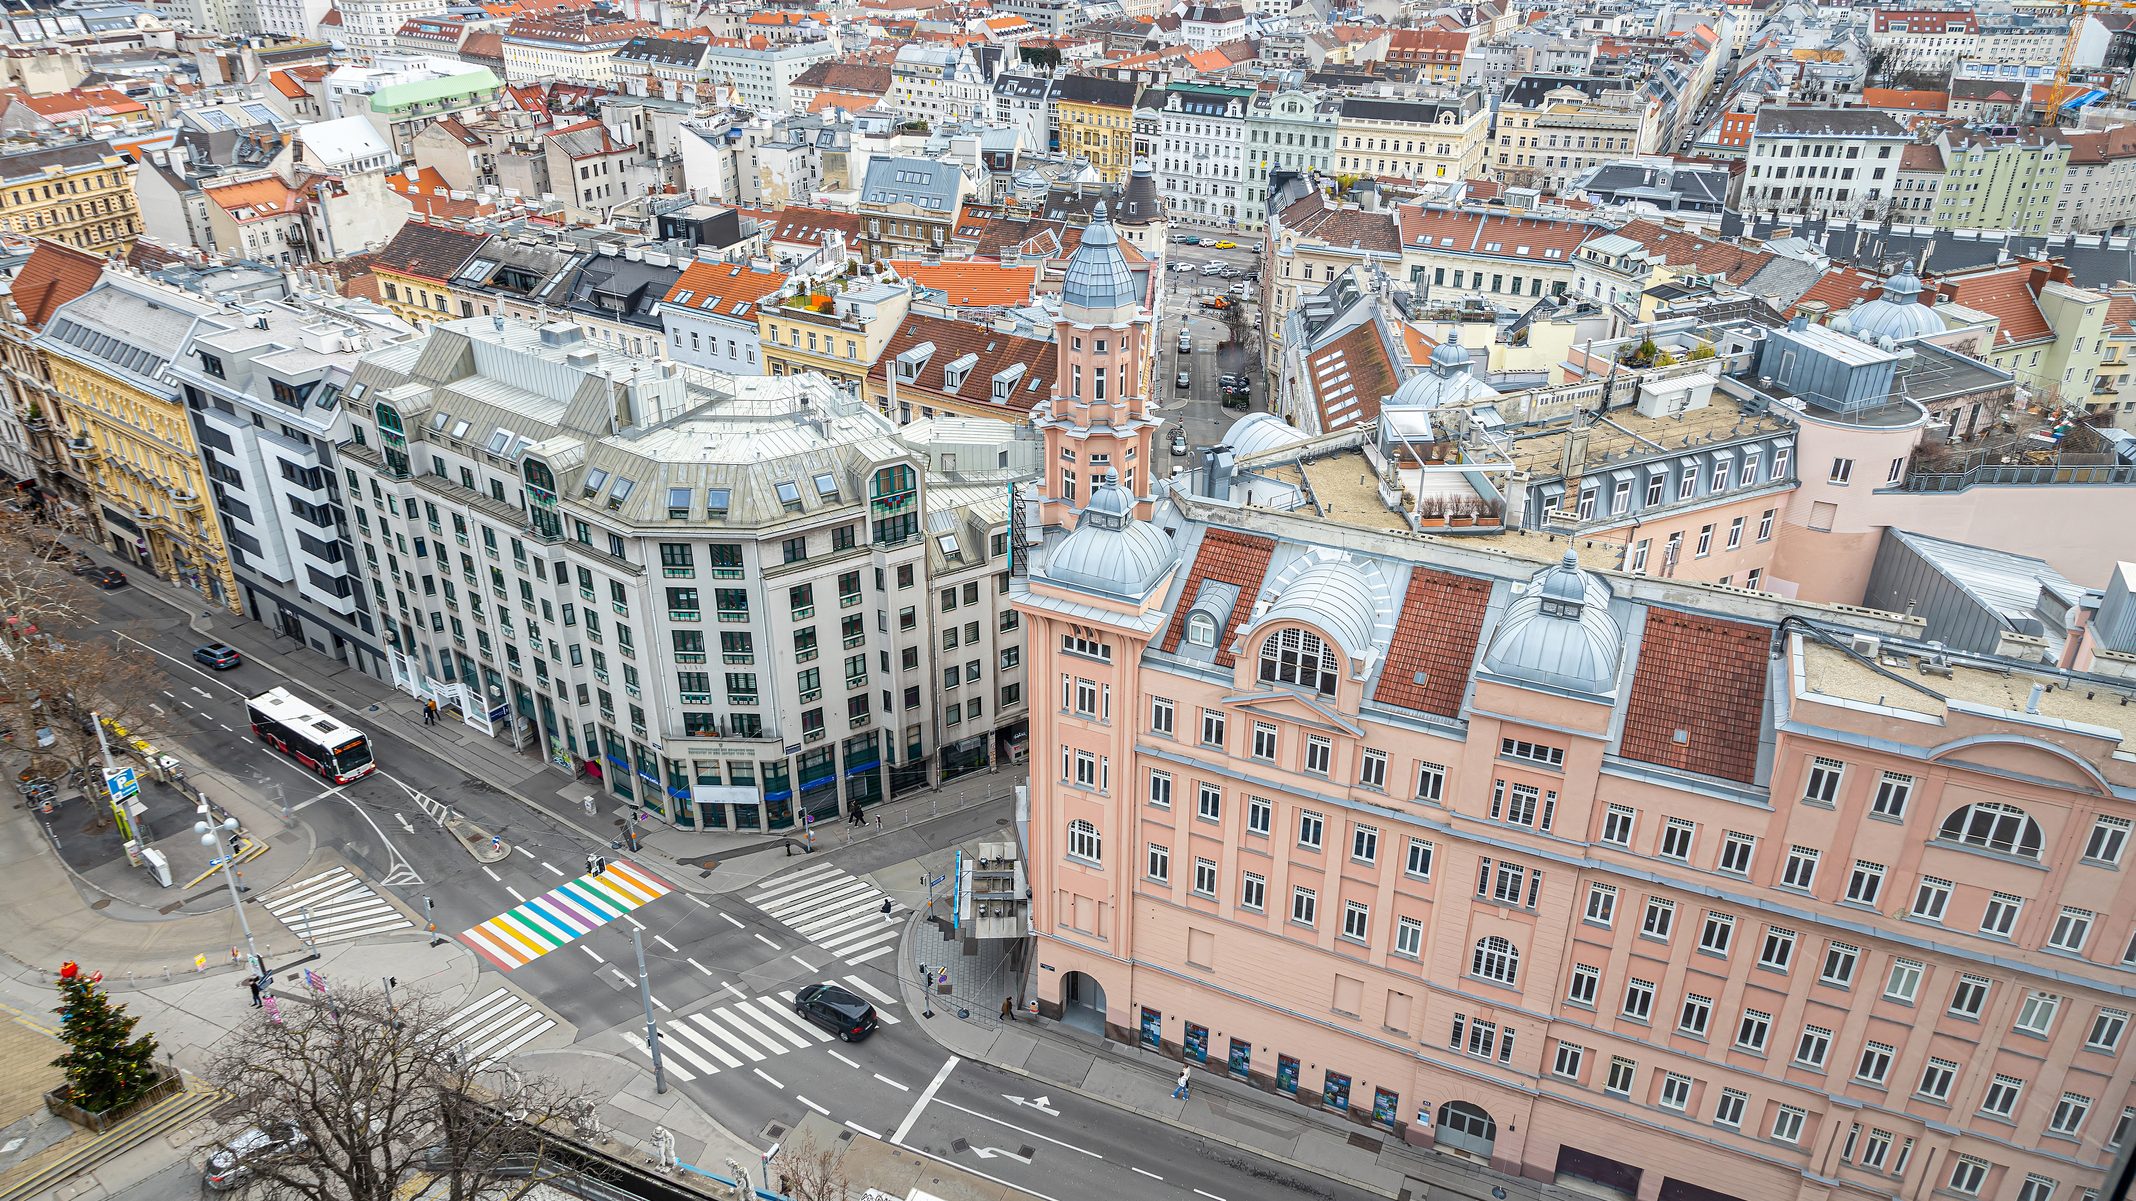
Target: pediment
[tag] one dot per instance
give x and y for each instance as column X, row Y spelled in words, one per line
column 1295, row 707
column 2027, row 758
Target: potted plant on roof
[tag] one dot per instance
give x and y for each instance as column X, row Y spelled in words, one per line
column 1432, row 512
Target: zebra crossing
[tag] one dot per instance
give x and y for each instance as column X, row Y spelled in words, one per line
column 564, row 914
column 490, row 1029
column 741, row 1034
column 832, row 909
column 334, row 906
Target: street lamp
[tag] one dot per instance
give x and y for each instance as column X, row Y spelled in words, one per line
column 211, row 838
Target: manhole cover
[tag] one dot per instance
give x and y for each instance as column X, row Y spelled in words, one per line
column 100, row 902
column 774, row 1130
column 1001, row 821
column 959, row 1146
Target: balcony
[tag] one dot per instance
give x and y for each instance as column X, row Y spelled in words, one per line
column 189, row 501
column 686, row 615
column 738, row 616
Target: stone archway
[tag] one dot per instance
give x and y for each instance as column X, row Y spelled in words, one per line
column 1083, row 1002
column 1466, row 1130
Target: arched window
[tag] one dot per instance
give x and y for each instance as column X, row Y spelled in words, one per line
column 1201, row 629
column 1295, row 656
column 1083, row 841
column 2004, row 828
column 1496, row 959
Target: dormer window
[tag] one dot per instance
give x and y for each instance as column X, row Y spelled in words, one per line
column 827, row 486
column 716, row 500
column 1297, row 656
column 789, row 495
column 595, row 481
column 1201, row 629
column 953, row 374
column 621, row 492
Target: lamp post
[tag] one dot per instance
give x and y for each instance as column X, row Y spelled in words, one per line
column 211, row 838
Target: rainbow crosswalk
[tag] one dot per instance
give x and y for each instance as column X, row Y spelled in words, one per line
column 520, row 935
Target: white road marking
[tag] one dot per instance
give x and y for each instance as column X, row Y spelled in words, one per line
column 553, row 870
column 166, row 692
column 300, row 806
column 628, row 918
column 699, row 966
column 767, row 942
column 657, row 1001
column 1019, row 1189
column 881, row 997
column 731, row 920
column 665, row 943
column 865, row 1130
column 204, row 692
column 903, row 1088
column 590, row 951
column 487, row 872
column 522, row 850
column 1019, row 1129
column 619, row 974
column 919, row 1103
column 812, row 1105
column 729, row 986
column 842, row 1059
column 767, row 1077
column 1151, row 1175
column 156, row 707
column 515, row 894
column 700, row 903
column 1206, row 1193
column 227, row 726
column 402, row 818
column 806, row 966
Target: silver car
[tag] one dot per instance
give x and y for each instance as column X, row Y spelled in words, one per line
column 226, row 1168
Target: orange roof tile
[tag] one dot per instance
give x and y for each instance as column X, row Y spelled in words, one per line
column 54, row 274
column 2120, row 313
column 257, row 200
column 1434, row 642
column 286, row 84
column 993, row 353
column 1702, row 678
column 1840, row 289
column 723, row 289
column 1240, row 560
column 843, row 101
column 2007, row 295
column 1911, row 99
column 1349, row 377
column 974, row 284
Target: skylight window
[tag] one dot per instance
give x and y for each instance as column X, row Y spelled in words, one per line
column 498, row 440
column 438, row 422
column 948, row 543
column 621, row 492
column 716, row 502
column 678, row 505
column 789, row 495
column 595, row 481
column 827, row 486
column 459, row 430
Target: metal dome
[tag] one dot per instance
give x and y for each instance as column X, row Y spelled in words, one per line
column 1558, row 633
column 1332, row 595
column 1449, row 356
column 1898, row 314
column 1258, row 432
column 1098, row 276
column 1109, row 551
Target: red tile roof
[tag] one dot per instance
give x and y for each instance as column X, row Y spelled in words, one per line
column 800, row 224
column 993, row 353
column 1435, row 638
column 1679, row 249
column 720, row 287
column 973, row 284
column 1841, row 288
column 54, row 274
column 2008, row 295
column 1910, row 99
column 1703, row 677
column 1476, row 233
column 1349, row 377
column 287, row 85
column 1230, row 558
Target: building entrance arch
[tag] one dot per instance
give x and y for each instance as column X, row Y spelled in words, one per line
column 1467, row 1130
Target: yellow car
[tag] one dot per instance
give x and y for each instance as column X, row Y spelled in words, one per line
column 1225, row 245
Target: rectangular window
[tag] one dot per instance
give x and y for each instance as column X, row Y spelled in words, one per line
column 1161, row 789
column 1676, row 838
column 1717, row 933
column 1565, row 1064
column 2036, row 1015
column 1765, row 525
column 1639, row 1000
column 1623, row 1073
column 1364, row 844
column 1601, row 903
column 1205, row 878
column 1408, row 937
column 1431, row 782
column 1842, row 471
column 2108, row 841
column 1787, row 1124
column 1969, row 997
column 1660, row 918
column 1311, row 829
column 1695, row 1016
column 1304, row 906
column 1264, row 741
column 2108, row 1025
column 2072, row 927
column 1735, row 534
column 1617, row 823
column 1531, row 752
column 1937, row 1079
column 2069, row 1114
column 1372, row 769
column 1839, row 962
column 1931, row 898
column 1259, row 815
column 1209, row 803
column 1418, row 861
column 1968, row 1175
column 1356, row 921
column 2000, row 917
column 1814, row 1045
column 1865, row 883
column 1675, row 1091
column 1212, row 728
column 1904, row 981
column 1822, row 786
column 1875, row 1063
column 1892, row 792
column 1318, row 755
column 1253, row 892
column 1737, row 849
column 2000, row 1101
column 1160, row 715
column 1159, row 864
column 1728, row 1111
column 1586, row 981
column 1801, row 869
column 1753, row 1031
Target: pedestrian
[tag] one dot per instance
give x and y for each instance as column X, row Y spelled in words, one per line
column 253, row 983
column 886, row 909
column 1186, row 1083
column 1008, row 1009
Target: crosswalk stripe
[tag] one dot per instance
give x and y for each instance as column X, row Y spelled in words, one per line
column 673, row 1046
column 332, row 880
column 770, row 1023
column 492, row 1028
column 827, row 892
column 746, row 1050
column 687, row 1030
column 637, row 1043
column 786, row 882
column 846, row 944
column 865, row 956
column 870, row 991
column 783, row 1009
column 334, row 906
column 746, row 1029
column 627, row 890
column 639, row 880
column 533, row 920
column 844, row 909
column 568, row 912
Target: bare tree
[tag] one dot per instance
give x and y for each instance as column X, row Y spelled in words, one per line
column 55, row 691
column 381, row 1096
column 805, row 1171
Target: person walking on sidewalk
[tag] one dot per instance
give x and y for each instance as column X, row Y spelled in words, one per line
column 430, row 713
column 1181, row 1090
column 1008, row 1009
column 253, row 983
column 886, row 910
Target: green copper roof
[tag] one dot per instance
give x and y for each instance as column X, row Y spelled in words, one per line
column 397, row 96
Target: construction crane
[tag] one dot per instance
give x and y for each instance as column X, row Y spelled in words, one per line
column 2078, row 10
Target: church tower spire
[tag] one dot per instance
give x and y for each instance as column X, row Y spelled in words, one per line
column 1099, row 419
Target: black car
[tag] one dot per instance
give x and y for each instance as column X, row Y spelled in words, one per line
column 217, row 656
column 836, row 1010
column 106, row 578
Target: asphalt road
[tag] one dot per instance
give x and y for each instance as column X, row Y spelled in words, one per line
column 721, row 968
column 1198, row 409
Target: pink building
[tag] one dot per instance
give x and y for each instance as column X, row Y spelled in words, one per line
column 1652, row 888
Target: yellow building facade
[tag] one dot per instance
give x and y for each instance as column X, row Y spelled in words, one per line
column 81, row 194
column 1095, row 120
column 841, row 338
column 128, row 432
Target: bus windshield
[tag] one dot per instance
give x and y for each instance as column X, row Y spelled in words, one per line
column 352, row 757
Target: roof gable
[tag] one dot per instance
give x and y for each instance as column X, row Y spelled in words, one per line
column 1225, row 557
column 1703, row 679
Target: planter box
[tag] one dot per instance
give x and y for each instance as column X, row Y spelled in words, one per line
column 97, row 1123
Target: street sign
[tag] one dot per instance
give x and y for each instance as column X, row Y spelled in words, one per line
column 938, row 882
column 122, row 784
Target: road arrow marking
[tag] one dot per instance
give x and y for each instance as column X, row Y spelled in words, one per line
column 991, row 1152
column 1043, row 1105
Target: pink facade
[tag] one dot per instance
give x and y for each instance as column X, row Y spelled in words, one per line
column 1689, row 912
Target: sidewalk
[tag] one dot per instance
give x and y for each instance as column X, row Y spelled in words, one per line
column 1219, row 1108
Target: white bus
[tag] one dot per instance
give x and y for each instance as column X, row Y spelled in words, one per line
column 336, row 750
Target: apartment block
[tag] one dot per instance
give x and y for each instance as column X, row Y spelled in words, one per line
column 80, row 193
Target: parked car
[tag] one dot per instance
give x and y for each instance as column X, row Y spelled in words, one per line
column 103, row 577
column 1190, row 240
column 226, row 1168
column 836, row 1010
column 1226, row 245
column 217, row 656
column 1179, row 443
column 1182, row 266
column 1183, row 380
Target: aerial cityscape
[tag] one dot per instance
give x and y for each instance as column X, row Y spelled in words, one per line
column 1428, row 600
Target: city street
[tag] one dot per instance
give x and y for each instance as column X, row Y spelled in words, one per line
column 1198, row 409
column 722, row 966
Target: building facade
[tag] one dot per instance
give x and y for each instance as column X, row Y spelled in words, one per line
column 1201, row 157
column 81, row 194
column 1431, row 139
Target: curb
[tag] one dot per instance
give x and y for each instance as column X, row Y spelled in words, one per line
column 905, row 983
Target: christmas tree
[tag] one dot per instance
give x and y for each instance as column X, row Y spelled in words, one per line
column 105, row 1066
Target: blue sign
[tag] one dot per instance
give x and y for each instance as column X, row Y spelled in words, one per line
column 122, row 784
column 938, row 881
